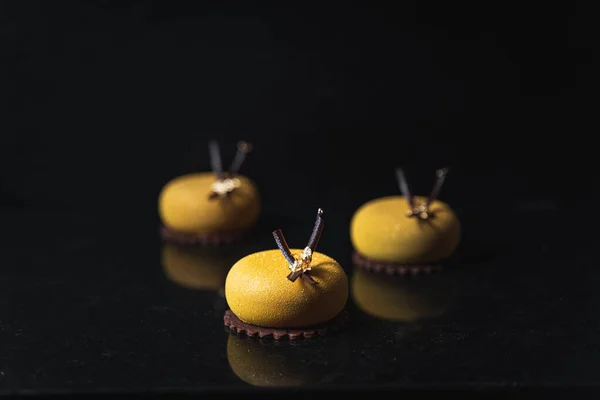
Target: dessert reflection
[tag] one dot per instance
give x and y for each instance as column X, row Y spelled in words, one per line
column 268, row 363
column 199, row 268
column 403, row 299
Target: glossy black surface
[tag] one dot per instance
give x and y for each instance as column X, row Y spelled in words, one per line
column 105, row 101
column 88, row 305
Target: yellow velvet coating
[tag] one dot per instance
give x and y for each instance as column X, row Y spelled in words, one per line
column 184, row 205
column 399, row 299
column 381, row 230
column 260, row 366
column 259, row 293
column 194, row 268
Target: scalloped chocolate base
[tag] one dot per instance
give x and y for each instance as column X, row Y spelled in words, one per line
column 393, row 268
column 235, row 324
column 204, row 239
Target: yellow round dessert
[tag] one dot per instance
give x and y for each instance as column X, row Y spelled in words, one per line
column 184, row 205
column 194, row 268
column 396, row 299
column 380, row 230
column 258, row 292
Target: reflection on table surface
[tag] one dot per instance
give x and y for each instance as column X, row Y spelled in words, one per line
column 269, row 363
column 403, row 299
column 199, row 268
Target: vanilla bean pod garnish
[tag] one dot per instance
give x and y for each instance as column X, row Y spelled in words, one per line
column 300, row 265
column 226, row 183
column 437, row 187
column 421, row 211
column 404, row 187
column 243, row 148
column 215, row 159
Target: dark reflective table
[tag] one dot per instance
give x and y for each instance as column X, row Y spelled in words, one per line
column 87, row 304
column 105, row 101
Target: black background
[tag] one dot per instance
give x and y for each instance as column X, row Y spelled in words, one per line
column 103, row 102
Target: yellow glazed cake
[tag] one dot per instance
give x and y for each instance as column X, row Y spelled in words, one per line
column 210, row 207
column 287, row 293
column 405, row 234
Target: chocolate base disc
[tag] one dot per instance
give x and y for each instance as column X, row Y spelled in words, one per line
column 205, row 239
column 393, row 268
column 235, row 324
